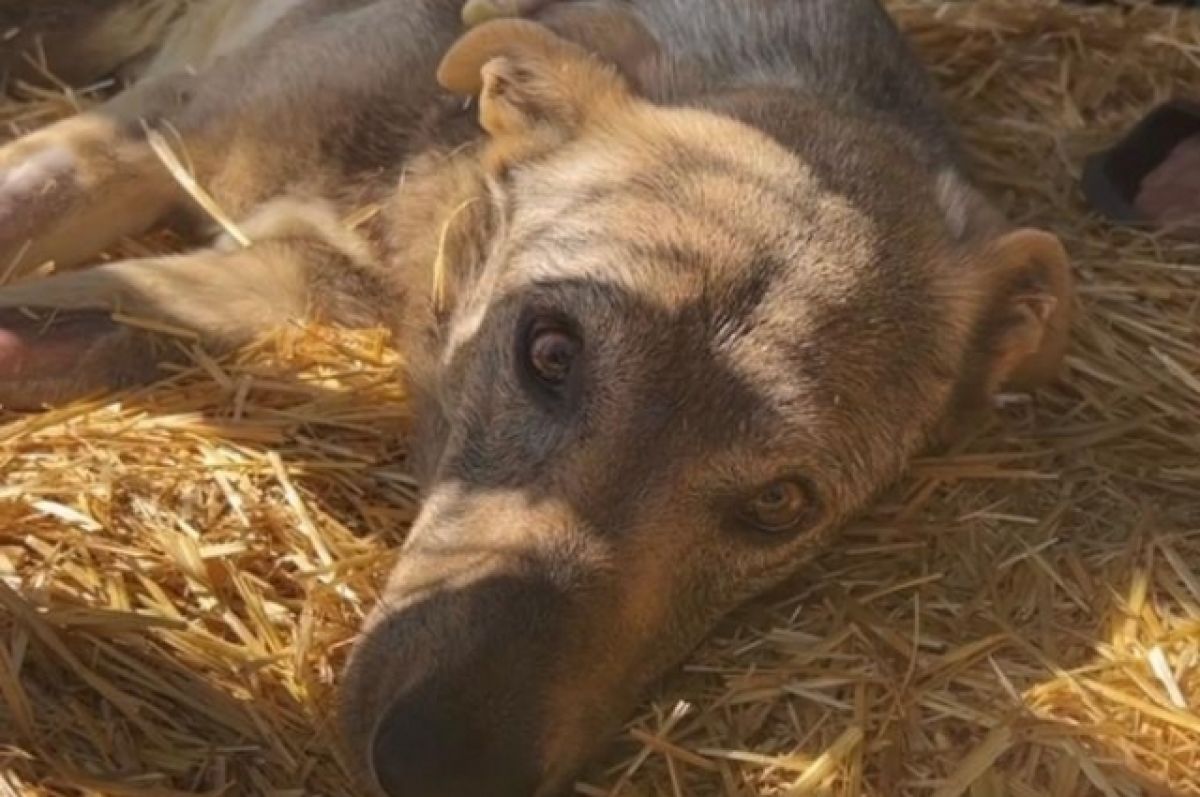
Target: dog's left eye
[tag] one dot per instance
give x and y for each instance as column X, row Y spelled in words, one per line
column 551, row 351
column 779, row 507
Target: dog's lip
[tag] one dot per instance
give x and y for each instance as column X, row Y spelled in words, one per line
column 10, row 345
column 30, row 348
column 15, row 354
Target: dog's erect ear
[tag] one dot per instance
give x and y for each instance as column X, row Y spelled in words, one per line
column 1029, row 293
column 536, row 90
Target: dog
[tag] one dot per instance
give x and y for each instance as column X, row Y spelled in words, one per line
column 681, row 285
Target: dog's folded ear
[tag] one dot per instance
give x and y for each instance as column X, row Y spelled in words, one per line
column 1024, row 293
column 1029, row 295
column 536, row 89
column 610, row 30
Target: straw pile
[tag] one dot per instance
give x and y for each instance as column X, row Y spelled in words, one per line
column 181, row 571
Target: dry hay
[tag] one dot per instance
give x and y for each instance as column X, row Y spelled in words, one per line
column 182, row 571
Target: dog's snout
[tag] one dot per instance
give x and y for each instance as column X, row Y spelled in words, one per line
column 446, row 694
column 441, row 741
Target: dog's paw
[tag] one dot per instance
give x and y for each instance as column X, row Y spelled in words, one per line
column 51, row 357
column 37, row 185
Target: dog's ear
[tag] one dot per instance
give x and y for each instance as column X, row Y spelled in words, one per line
column 536, row 90
column 1023, row 280
column 1028, row 294
column 611, row 31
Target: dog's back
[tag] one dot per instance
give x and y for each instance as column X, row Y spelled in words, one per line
column 846, row 53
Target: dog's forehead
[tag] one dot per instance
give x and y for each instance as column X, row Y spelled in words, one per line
column 683, row 199
column 704, row 210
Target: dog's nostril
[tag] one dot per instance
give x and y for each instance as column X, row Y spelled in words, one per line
column 439, row 743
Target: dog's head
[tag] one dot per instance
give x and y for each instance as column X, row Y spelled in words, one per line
column 693, row 349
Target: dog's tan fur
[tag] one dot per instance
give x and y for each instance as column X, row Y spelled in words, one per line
column 769, row 255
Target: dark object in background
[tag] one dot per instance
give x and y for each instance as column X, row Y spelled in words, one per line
column 1184, row 3
column 1152, row 176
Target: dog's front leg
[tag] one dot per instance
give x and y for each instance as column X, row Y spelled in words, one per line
column 73, row 188
column 59, row 339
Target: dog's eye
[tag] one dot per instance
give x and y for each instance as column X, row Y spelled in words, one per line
column 551, row 351
column 779, row 507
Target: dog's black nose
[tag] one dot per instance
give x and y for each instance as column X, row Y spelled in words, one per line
column 444, row 742
column 471, row 716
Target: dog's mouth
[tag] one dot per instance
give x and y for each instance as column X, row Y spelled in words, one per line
column 33, row 346
column 47, row 356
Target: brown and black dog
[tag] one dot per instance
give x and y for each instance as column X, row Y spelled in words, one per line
column 682, row 291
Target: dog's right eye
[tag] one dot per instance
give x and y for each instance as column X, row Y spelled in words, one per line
column 780, row 507
column 551, row 349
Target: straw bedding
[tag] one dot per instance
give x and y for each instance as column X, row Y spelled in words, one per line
column 182, row 570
